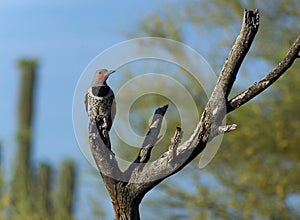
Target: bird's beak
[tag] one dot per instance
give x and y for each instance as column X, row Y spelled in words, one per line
column 111, row 71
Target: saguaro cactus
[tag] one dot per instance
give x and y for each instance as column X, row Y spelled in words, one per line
column 21, row 178
column 65, row 193
column 43, row 204
column 30, row 192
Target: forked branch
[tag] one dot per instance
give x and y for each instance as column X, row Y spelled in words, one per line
column 130, row 187
column 213, row 114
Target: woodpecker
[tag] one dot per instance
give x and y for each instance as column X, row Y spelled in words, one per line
column 100, row 103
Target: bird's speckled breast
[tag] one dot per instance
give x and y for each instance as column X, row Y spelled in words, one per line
column 100, row 105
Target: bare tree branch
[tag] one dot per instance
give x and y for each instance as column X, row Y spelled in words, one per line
column 127, row 189
column 268, row 80
column 222, row 130
column 152, row 135
column 213, row 114
column 175, row 141
column 239, row 51
column 131, row 174
column 104, row 157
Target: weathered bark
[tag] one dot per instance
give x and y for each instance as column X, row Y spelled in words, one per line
column 121, row 186
column 126, row 205
column 128, row 188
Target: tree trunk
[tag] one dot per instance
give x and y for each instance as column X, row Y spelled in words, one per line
column 125, row 206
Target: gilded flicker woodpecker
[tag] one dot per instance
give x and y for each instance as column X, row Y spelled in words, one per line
column 99, row 102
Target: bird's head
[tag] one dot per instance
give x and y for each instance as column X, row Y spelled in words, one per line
column 101, row 76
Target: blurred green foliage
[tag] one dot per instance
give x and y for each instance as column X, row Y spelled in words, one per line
column 256, row 172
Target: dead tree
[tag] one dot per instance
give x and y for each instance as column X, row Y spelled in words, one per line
column 127, row 188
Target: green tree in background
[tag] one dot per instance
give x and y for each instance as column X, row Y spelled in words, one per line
column 256, row 172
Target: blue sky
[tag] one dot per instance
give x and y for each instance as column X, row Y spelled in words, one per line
column 65, row 36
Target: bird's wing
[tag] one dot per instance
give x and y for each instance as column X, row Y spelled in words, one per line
column 86, row 102
column 113, row 110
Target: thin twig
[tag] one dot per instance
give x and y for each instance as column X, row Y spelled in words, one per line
column 222, row 130
column 175, row 141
